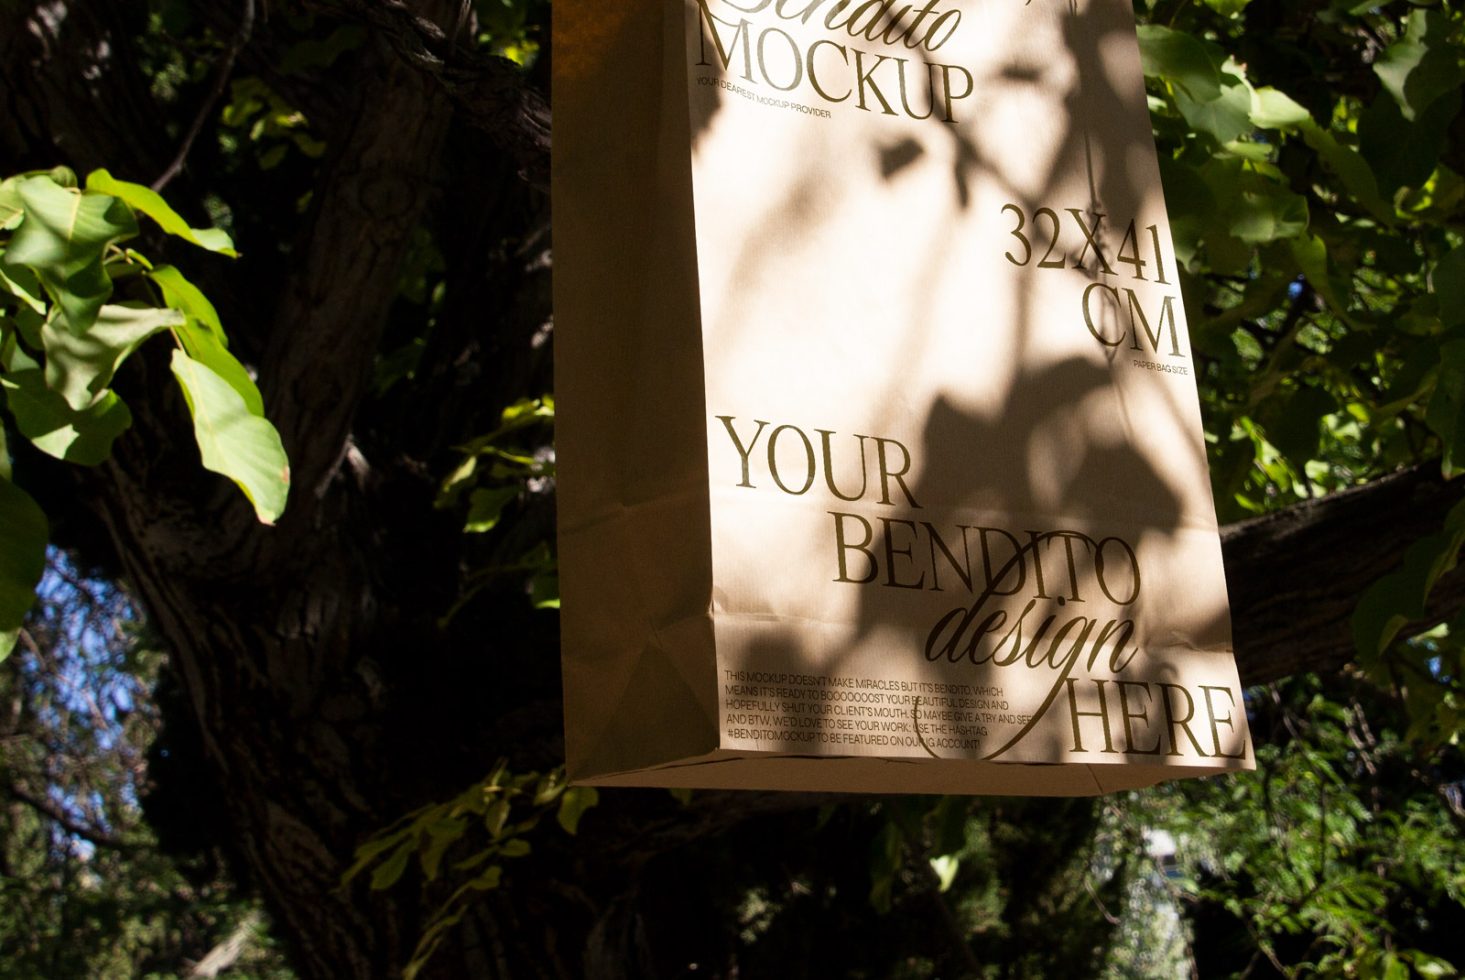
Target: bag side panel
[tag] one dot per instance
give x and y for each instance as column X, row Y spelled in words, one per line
column 634, row 533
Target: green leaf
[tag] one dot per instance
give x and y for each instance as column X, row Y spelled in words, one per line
column 205, row 347
column 486, row 506
column 1272, row 109
column 1192, row 207
column 233, row 441
column 1428, row 965
column 516, row 847
column 1394, row 968
column 370, row 850
column 1402, row 153
column 81, row 366
column 573, row 804
column 550, row 786
column 1421, row 66
column 150, row 203
column 1400, row 596
column 442, row 834
column 12, row 207
column 1294, row 426
column 22, row 558
column 526, row 410
column 4, row 456
column 489, row 880
column 1350, row 168
column 946, row 867
column 203, row 335
column 1267, row 213
column 387, row 873
column 544, row 590
column 181, row 295
column 22, row 283
column 1226, row 116
column 1414, row 375
column 14, row 357
column 1311, row 255
column 1181, row 60
column 63, row 238
column 1210, row 92
column 496, row 817
column 55, row 428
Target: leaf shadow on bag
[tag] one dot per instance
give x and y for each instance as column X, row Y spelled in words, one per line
column 1077, row 458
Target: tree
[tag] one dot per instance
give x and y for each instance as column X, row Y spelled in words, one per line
column 84, row 890
column 381, row 167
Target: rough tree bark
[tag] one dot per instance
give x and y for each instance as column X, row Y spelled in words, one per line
column 326, row 698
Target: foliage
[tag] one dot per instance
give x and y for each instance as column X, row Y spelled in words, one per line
column 84, row 890
column 1313, row 169
column 1324, row 310
column 432, row 831
column 1313, row 156
column 63, row 339
column 1341, row 855
column 1317, row 219
column 498, row 469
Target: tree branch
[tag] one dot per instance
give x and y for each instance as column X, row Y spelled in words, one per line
column 48, row 809
column 221, row 80
column 1295, row 577
column 491, row 93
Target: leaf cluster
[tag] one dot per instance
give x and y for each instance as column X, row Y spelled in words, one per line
column 1340, row 856
column 487, row 824
column 65, row 333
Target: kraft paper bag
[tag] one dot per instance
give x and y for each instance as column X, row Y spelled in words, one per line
column 880, row 458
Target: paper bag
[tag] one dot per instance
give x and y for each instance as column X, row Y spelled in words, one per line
column 880, row 458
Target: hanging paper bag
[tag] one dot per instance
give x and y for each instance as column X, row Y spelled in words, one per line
column 879, row 451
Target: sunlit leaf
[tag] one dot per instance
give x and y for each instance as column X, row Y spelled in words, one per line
column 946, row 866
column 151, row 203
column 202, row 335
column 63, row 238
column 1272, row 109
column 233, row 441
column 12, row 206
column 181, row 295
